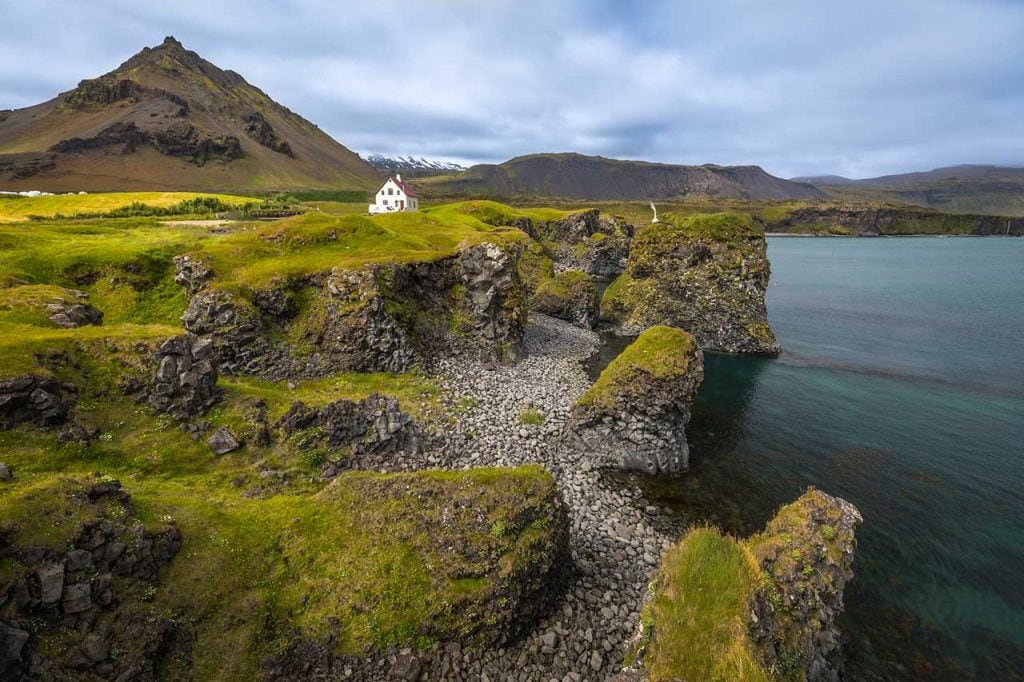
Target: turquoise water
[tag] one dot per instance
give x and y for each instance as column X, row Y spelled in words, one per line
column 901, row 388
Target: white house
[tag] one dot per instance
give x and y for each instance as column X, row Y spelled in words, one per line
column 395, row 195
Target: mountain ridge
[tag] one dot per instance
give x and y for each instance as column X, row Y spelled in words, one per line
column 965, row 188
column 577, row 176
column 167, row 118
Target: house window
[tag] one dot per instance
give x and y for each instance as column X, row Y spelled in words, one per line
column 385, row 202
column 390, row 191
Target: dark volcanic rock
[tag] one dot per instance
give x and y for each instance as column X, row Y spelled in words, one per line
column 496, row 306
column 38, row 400
column 706, row 275
column 232, row 326
column 359, row 333
column 5, row 473
column 191, row 273
column 569, row 295
column 376, row 425
column 69, row 592
column 257, row 127
column 180, row 139
column 71, row 314
column 635, row 415
column 222, row 441
column 185, row 382
column 12, row 644
column 807, row 551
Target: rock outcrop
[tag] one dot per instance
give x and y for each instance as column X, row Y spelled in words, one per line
column 783, row 586
column 71, row 314
column 570, row 295
column 73, row 593
column 494, row 296
column 233, row 328
column 706, row 274
column 635, row 414
column 190, row 273
column 358, row 332
column 807, row 553
column 350, row 432
column 185, row 382
column 588, row 241
column 380, row 318
column 33, row 399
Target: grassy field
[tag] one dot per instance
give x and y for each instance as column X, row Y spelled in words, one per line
column 17, row 208
column 291, row 554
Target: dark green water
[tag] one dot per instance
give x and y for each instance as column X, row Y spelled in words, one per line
column 901, row 388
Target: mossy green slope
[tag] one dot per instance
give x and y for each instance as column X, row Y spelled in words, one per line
column 660, row 353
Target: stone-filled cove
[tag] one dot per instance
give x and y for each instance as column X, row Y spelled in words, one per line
column 899, row 389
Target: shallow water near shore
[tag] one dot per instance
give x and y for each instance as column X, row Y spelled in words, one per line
column 901, row 388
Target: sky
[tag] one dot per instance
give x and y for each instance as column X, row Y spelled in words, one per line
column 858, row 88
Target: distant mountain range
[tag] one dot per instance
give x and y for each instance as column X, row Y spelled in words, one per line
column 955, row 189
column 413, row 167
column 575, row 176
column 169, row 119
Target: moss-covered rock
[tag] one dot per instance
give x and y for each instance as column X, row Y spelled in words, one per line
column 752, row 610
column 704, row 273
column 569, row 295
column 635, row 415
column 76, row 565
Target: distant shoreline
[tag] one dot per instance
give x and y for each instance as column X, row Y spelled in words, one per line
column 876, row 236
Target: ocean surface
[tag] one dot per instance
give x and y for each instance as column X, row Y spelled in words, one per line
column 901, row 389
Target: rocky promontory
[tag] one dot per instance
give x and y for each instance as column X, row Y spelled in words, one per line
column 706, row 274
column 764, row 608
column 635, row 414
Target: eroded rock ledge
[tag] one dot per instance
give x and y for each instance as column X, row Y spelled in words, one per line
column 634, row 416
column 79, row 587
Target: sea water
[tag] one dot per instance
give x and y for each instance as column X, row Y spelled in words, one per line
column 901, row 389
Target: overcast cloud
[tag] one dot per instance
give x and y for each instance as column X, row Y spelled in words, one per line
column 858, row 88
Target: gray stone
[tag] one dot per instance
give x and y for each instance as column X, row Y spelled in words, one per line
column 51, row 582
column 222, row 441
column 5, row 473
column 77, row 598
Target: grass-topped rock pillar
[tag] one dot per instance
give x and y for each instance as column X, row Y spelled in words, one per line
column 635, row 415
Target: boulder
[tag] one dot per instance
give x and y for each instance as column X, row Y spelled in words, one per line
column 33, row 399
column 635, row 415
column 706, row 274
column 222, row 441
column 5, row 473
column 12, row 648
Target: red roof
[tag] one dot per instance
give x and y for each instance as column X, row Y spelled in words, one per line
column 409, row 192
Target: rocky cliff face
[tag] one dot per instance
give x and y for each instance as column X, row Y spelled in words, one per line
column 635, row 415
column 807, row 553
column 706, row 274
column 382, row 318
column 873, row 221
